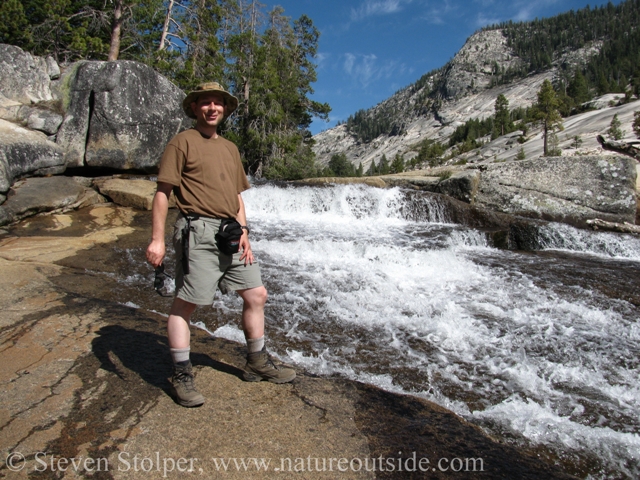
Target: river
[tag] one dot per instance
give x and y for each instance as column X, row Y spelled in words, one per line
column 541, row 349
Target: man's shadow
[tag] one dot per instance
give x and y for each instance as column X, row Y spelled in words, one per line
column 147, row 354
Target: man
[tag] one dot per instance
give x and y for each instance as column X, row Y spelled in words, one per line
column 205, row 172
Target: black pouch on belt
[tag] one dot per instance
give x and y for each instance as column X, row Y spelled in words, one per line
column 228, row 236
column 186, row 230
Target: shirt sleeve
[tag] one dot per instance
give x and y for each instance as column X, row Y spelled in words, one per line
column 171, row 165
column 242, row 183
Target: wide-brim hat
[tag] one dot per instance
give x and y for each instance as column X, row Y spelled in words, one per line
column 230, row 101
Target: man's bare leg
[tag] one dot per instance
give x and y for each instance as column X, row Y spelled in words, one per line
column 179, row 344
column 253, row 312
column 259, row 366
column 178, row 323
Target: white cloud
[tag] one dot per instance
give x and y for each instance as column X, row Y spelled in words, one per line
column 349, row 60
column 496, row 11
column 527, row 10
column 380, row 7
column 366, row 69
column 436, row 14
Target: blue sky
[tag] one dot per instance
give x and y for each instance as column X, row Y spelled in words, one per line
column 369, row 49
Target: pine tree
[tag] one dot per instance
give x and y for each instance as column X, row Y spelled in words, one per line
column 502, row 120
column 201, row 28
column 576, row 142
column 603, row 84
column 13, row 24
column 271, row 73
column 546, row 112
column 68, row 29
column 383, row 168
column 614, row 131
column 397, row 166
column 373, row 169
column 341, row 166
column 578, row 89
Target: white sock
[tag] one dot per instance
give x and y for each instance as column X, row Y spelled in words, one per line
column 180, row 355
column 255, row 344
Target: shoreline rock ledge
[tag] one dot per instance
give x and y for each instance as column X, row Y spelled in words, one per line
column 571, row 190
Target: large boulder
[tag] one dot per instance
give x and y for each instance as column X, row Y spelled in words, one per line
column 25, row 78
column 135, row 193
column 571, row 190
column 37, row 195
column 120, row 115
column 26, row 153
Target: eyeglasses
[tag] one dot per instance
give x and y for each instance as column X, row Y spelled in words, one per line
column 163, row 282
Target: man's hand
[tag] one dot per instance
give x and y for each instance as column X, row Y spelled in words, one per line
column 247, row 254
column 156, row 249
column 156, row 252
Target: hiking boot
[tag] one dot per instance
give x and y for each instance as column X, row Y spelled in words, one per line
column 183, row 387
column 260, row 367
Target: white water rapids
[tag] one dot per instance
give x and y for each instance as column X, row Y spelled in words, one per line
column 536, row 347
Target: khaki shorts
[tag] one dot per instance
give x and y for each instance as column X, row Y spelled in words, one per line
column 208, row 267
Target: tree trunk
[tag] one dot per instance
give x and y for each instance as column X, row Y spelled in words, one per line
column 625, row 227
column 165, row 28
column 627, row 148
column 246, row 96
column 114, row 48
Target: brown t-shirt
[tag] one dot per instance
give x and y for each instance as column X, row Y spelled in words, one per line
column 207, row 174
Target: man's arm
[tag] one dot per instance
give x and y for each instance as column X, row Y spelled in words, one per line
column 156, row 249
column 247, row 254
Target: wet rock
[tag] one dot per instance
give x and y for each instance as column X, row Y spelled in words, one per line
column 26, row 153
column 25, row 78
column 504, row 231
column 37, row 195
column 461, row 185
column 121, row 115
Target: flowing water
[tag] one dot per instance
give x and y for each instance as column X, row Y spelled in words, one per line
column 541, row 349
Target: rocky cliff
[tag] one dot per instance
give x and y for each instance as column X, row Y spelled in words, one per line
column 438, row 103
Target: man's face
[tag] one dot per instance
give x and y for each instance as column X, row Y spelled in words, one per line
column 209, row 109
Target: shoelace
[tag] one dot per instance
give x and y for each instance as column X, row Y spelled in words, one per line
column 270, row 362
column 186, row 379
